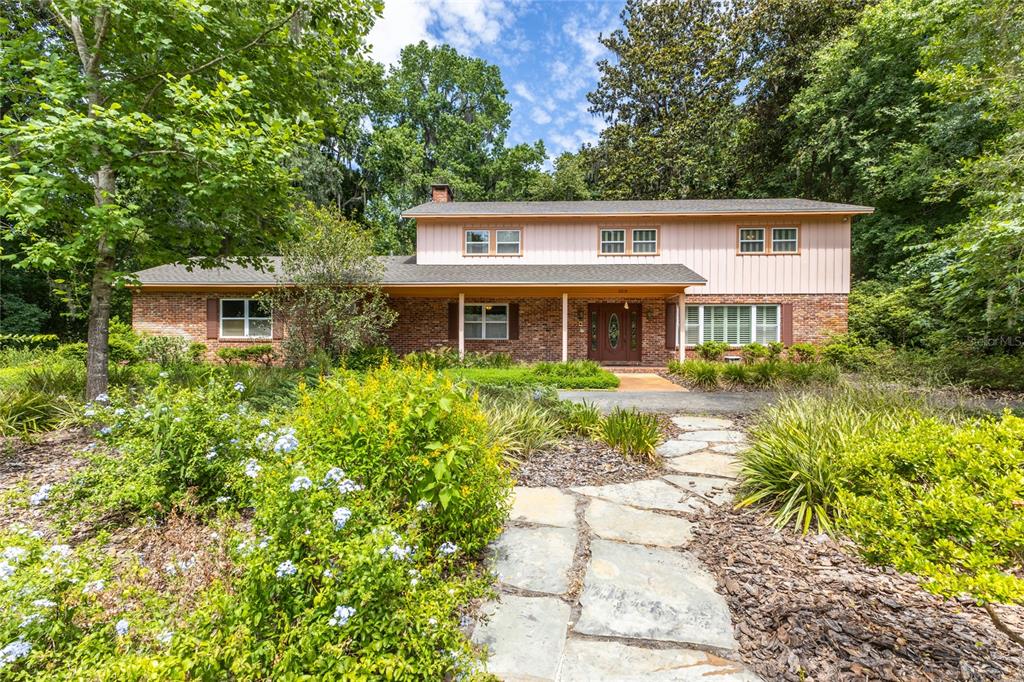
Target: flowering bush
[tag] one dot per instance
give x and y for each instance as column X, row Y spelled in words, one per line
column 171, row 446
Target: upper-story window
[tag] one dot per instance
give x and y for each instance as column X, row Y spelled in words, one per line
column 633, row 242
column 783, row 239
column 493, row 242
column 244, row 318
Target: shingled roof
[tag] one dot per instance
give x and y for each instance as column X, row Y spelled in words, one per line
column 404, row 270
column 681, row 207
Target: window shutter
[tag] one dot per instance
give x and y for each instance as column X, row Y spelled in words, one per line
column 671, row 314
column 513, row 321
column 786, row 332
column 453, row 322
column 212, row 318
column 278, row 326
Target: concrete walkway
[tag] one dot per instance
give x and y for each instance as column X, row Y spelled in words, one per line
column 687, row 402
column 596, row 582
column 646, row 382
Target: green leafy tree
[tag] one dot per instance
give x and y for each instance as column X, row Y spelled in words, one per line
column 332, row 302
column 137, row 130
column 669, row 98
column 573, row 178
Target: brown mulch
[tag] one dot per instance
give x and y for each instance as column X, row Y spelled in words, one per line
column 806, row 608
column 579, row 461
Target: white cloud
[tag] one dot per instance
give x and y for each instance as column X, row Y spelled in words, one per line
column 403, row 22
column 540, row 117
column 523, row 91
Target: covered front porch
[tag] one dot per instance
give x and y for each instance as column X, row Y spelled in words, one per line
column 613, row 325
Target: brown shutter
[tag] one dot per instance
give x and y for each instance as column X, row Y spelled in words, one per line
column 453, row 322
column 671, row 313
column 212, row 318
column 786, row 323
column 278, row 326
column 513, row 321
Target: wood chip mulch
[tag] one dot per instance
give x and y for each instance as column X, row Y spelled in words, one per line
column 578, row 461
column 806, row 608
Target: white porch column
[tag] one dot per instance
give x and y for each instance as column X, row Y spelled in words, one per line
column 681, row 321
column 565, row 327
column 462, row 325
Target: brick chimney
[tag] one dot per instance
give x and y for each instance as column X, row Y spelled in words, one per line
column 441, row 194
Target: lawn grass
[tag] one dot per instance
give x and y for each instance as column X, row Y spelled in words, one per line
column 576, row 375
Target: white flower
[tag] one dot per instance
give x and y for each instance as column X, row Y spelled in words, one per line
column 223, row 417
column 221, row 499
column 264, row 422
column 121, row 627
column 422, row 505
column 432, row 621
column 90, row 412
column 398, row 552
column 118, row 412
column 447, row 548
column 300, row 483
column 42, row 495
column 94, row 587
column 264, row 542
column 286, row 568
column 163, row 375
column 14, row 554
column 341, row 516
column 60, row 551
column 32, row 618
column 44, row 604
column 105, row 431
column 239, row 386
column 341, row 616
column 252, row 468
column 328, row 573
column 19, row 648
column 165, row 637
column 211, row 453
column 102, row 398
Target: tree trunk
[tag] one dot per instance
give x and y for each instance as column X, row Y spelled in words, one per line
column 98, row 354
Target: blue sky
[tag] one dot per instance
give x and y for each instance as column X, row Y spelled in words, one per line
column 546, row 49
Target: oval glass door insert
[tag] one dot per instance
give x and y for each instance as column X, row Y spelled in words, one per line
column 613, row 330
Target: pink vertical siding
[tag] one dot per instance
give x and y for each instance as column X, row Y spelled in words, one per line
column 707, row 246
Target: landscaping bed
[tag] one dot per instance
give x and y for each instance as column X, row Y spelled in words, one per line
column 580, row 461
column 806, row 608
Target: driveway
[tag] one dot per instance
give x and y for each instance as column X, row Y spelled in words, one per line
column 685, row 402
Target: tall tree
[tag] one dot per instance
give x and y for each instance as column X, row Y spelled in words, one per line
column 669, row 98
column 441, row 116
column 138, row 127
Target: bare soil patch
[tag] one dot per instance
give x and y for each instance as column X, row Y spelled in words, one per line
column 580, row 461
column 807, row 608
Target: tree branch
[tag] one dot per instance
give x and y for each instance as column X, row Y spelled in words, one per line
column 1001, row 626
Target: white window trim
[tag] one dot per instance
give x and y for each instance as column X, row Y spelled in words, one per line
column 245, row 318
column 681, row 322
column 518, row 242
column 602, row 241
column 483, row 321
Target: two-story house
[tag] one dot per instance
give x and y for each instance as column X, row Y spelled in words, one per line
column 620, row 282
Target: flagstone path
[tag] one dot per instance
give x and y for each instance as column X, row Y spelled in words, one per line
column 595, row 582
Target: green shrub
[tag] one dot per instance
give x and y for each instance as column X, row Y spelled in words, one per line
column 765, row 374
column 368, row 357
column 582, row 418
column 24, row 410
column 754, row 352
column 798, row 373
column 523, row 427
column 635, row 434
column 510, row 377
column 736, row 373
column 258, row 353
column 847, row 354
column 123, row 350
column 28, row 341
column 574, row 374
column 701, row 373
column 791, row 466
column 433, row 358
column 492, row 360
column 803, row 352
column 711, row 350
column 775, row 349
column 169, row 350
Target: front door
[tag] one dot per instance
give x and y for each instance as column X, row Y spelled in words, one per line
column 615, row 332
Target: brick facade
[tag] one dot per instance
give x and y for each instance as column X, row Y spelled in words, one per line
column 423, row 322
column 166, row 313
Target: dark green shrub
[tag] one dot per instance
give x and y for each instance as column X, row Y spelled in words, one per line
column 168, row 350
column 122, row 350
column 433, row 358
column 24, row 410
column 491, row 360
column 802, row 352
column 701, row 373
column 57, row 376
column 635, row 434
column 574, row 374
column 847, row 354
column 28, row 341
column 754, row 352
column 775, row 349
column 798, row 373
column 368, row 357
column 259, row 353
column 711, row 351
column 510, row 377
column 736, row 373
column 765, row 374
column 582, row 418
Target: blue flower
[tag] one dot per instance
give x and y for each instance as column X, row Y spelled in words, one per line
column 6, row 570
column 333, row 475
column 286, row 441
column 300, row 483
column 239, row 386
column 105, row 431
column 19, row 648
column 121, row 627
column 165, row 637
column 286, row 569
column 40, row 496
column 448, row 548
column 341, row 616
column 348, row 486
column 252, row 468
column 341, row 516
column 422, row 505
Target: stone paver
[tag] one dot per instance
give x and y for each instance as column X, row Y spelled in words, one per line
column 717, row 490
column 729, row 448
column 674, row 448
column 616, row 522
column 591, row 661
column 547, row 506
column 536, row 559
column 524, row 636
column 645, row 593
column 705, row 463
column 650, row 494
column 691, row 423
column 715, row 436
